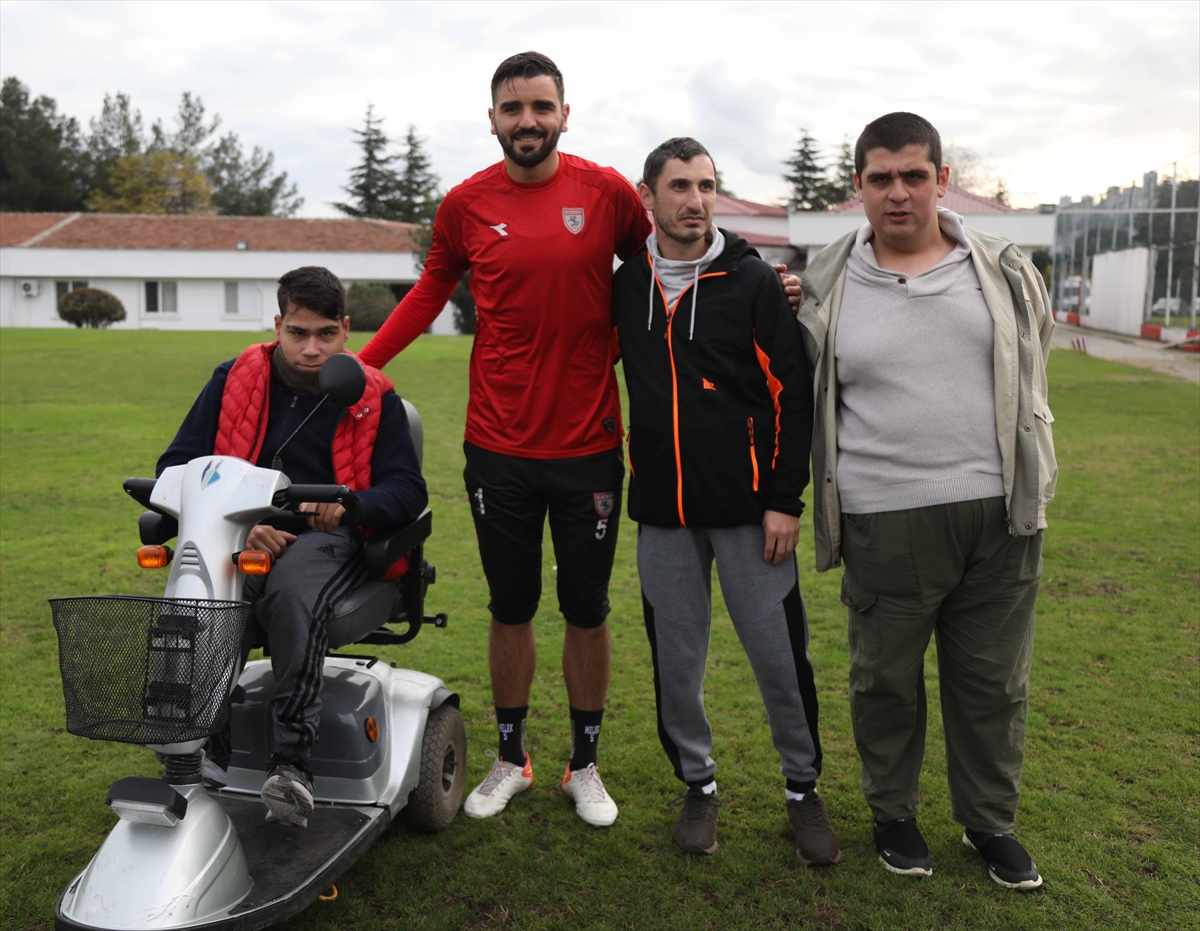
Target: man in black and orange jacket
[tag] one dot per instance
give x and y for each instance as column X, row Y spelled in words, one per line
column 721, row 413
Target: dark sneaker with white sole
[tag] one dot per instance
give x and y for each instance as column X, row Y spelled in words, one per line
column 812, row 832
column 902, row 849
column 696, row 825
column 1008, row 863
column 288, row 795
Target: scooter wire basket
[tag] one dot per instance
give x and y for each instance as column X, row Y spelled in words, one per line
column 147, row 670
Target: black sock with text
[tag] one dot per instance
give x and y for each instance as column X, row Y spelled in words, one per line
column 511, row 723
column 585, row 737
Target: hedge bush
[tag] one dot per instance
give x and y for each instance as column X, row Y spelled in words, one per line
column 368, row 305
column 90, row 307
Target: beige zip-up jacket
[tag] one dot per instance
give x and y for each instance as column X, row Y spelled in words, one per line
column 1023, row 323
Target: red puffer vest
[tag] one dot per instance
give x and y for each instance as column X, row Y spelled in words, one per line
column 242, row 427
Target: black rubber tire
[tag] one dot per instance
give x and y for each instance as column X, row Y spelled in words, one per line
column 434, row 803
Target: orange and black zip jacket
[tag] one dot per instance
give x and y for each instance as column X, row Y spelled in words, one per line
column 720, row 424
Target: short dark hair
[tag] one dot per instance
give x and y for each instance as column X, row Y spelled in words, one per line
column 893, row 132
column 312, row 288
column 527, row 65
column 684, row 148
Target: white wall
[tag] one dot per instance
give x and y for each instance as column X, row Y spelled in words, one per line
column 1119, row 290
column 740, row 223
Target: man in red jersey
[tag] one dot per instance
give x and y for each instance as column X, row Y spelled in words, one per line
column 538, row 232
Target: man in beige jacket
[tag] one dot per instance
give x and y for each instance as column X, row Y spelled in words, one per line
column 933, row 463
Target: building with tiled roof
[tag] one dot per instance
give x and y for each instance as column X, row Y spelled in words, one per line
column 764, row 226
column 186, row 272
column 1033, row 229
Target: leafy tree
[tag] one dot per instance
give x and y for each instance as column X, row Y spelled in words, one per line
column 368, row 305
column 155, row 182
column 374, row 182
column 91, row 308
column 116, row 133
column 244, row 185
column 41, row 164
column 805, row 175
column 191, row 135
column 416, row 194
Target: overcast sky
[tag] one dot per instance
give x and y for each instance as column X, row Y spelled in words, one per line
column 1065, row 98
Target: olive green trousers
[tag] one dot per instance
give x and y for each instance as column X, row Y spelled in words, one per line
column 953, row 570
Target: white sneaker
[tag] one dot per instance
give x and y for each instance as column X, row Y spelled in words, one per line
column 592, row 803
column 503, row 782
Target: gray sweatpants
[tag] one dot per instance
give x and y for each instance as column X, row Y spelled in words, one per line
column 675, row 568
column 292, row 604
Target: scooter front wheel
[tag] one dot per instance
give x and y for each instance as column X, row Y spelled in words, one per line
column 434, row 803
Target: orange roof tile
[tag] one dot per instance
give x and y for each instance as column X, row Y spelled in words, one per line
column 262, row 234
column 16, row 228
column 735, row 206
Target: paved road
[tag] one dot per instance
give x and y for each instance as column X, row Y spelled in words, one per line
column 1140, row 352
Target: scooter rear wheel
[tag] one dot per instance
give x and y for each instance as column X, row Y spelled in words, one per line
column 433, row 804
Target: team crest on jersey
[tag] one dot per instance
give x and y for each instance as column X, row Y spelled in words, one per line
column 603, row 501
column 573, row 218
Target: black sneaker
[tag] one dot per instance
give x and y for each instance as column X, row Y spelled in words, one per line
column 288, row 794
column 901, row 847
column 1008, row 863
column 816, row 843
column 696, row 826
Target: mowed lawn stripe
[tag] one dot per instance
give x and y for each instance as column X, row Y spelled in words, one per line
column 1109, row 807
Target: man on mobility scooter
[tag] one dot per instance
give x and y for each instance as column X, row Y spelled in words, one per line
column 251, row 409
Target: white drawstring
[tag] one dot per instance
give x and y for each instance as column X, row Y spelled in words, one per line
column 653, row 281
column 695, row 291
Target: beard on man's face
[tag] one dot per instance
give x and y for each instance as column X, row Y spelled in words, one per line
column 538, row 155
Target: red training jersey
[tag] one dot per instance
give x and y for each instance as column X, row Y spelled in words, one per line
column 542, row 384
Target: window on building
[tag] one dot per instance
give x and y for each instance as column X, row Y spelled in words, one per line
column 231, row 297
column 162, row 297
column 63, row 288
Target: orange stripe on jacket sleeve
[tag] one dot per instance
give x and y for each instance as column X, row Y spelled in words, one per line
column 775, row 387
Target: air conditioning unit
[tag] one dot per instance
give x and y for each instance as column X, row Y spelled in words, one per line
column 30, row 287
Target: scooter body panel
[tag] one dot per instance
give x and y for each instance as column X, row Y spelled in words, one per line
column 152, row 876
column 381, row 772
column 217, row 499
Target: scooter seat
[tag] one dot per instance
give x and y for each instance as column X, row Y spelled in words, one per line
column 361, row 612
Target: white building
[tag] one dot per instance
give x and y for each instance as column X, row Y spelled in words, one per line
column 764, row 226
column 1030, row 229
column 187, row 272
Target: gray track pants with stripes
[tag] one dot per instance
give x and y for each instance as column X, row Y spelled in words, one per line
column 292, row 603
column 675, row 569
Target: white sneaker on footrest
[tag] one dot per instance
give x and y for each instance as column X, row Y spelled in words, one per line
column 592, row 802
column 503, row 781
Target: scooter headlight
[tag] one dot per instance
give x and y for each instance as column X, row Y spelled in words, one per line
column 146, row 801
column 144, row 813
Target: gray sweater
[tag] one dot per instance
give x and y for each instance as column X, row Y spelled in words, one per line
column 916, row 422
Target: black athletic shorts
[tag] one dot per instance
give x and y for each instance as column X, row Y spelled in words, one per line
column 510, row 496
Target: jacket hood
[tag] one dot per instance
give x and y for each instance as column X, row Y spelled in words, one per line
column 733, row 250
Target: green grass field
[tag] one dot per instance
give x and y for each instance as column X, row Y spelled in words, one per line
column 1111, row 802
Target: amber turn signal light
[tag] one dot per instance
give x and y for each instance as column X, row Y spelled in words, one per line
column 153, row 557
column 372, row 730
column 254, row 562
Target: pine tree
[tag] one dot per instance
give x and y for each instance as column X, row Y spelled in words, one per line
column 244, row 186
column 41, row 153
column 843, row 171
column 806, row 175
column 721, row 188
column 416, row 198
column 374, row 181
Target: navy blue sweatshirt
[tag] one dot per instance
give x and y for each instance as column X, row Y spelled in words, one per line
column 397, row 494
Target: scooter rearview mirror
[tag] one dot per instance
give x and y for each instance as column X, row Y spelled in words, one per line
column 343, row 379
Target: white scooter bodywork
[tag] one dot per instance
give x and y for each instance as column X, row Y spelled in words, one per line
column 195, row 873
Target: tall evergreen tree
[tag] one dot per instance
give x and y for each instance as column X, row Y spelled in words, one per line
column 244, row 185
column 374, row 181
column 41, row 157
column 721, row 188
column 805, row 175
column 843, row 171
column 117, row 132
column 416, row 198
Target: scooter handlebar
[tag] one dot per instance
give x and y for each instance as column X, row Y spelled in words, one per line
column 295, row 495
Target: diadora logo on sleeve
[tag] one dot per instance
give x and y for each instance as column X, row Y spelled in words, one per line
column 500, row 228
column 573, row 218
column 210, row 475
